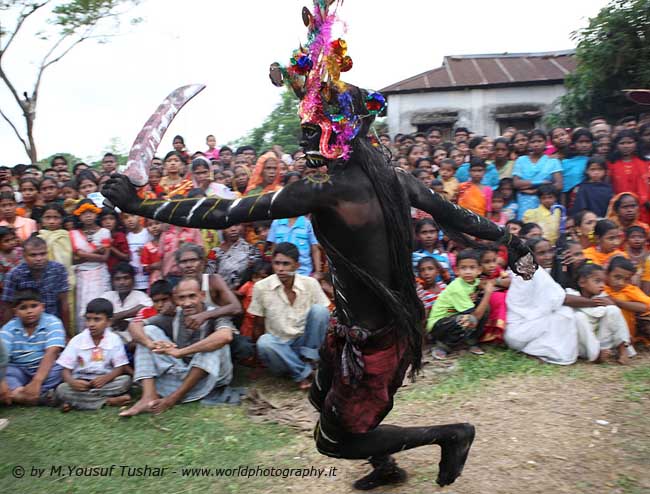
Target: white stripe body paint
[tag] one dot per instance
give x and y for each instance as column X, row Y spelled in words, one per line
column 196, row 206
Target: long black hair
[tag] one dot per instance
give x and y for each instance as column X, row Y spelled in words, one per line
column 400, row 301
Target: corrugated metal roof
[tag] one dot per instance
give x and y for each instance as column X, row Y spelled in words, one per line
column 509, row 69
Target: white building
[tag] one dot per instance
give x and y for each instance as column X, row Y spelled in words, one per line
column 485, row 93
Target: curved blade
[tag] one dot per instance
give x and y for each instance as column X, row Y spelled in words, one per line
column 145, row 144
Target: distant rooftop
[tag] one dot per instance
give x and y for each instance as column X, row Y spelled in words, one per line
column 493, row 69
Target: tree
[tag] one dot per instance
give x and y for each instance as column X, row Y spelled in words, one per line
column 282, row 127
column 612, row 54
column 70, row 23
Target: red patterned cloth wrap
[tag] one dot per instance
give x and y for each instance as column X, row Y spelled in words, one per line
column 363, row 369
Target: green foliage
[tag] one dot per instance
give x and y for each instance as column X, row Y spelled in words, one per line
column 612, row 54
column 282, row 127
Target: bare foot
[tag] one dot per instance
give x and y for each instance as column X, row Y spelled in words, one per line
column 141, row 406
column 623, row 357
column 304, row 385
column 161, row 405
column 454, row 451
column 118, row 401
column 66, row 407
column 603, row 356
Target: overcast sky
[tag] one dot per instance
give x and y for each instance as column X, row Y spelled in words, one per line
column 105, row 91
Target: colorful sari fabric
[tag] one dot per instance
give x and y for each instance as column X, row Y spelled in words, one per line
column 255, row 183
column 476, row 199
column 179, row 189
column 631, row 176
column 537, row 173
column 594, row 255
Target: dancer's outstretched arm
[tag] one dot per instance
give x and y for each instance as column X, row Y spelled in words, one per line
column 456, row 218
column 296, row 199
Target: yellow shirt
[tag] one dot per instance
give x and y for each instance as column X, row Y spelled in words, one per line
column 549, row 223
column 282, row 319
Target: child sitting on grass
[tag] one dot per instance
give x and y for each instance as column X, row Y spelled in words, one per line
column 635, row 250
column 33, row 340
column 460, row 313
column 495, row 324
column 629, row 298
column 605, row 324
column 94, row 364
column 427, row 287
column 550, row 222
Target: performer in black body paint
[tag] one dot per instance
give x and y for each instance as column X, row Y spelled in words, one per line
column 360, row 210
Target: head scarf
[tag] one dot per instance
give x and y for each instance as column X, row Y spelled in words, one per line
column 613, row 216
column 257, row 180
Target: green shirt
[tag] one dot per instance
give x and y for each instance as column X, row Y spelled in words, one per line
column 454, row 299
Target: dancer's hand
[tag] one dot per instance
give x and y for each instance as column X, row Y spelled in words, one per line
column 122, row 193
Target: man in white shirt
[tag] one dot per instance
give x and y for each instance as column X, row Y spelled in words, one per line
column 126, row 301
column 292, row 308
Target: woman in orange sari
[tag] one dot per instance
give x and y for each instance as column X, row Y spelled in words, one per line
column 624, row 211
column 173, row 184
column 265, row 178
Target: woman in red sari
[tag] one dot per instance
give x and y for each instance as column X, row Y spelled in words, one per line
column 628, row 172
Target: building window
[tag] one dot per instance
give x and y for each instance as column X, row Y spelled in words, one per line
column 446, row 128
column 517, row 123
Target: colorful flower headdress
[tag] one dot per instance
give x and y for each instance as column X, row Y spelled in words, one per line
column 314, row 75
column 86, row 206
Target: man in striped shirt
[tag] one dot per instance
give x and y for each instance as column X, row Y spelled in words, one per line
column 33, row 340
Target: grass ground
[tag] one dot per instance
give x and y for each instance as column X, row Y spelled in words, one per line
column 536, row 433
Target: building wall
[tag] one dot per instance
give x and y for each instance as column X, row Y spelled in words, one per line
column 476, row 107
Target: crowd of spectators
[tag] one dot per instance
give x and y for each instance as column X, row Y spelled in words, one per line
column 94, row 300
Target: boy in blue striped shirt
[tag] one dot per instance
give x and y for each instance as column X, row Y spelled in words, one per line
column 33, row 340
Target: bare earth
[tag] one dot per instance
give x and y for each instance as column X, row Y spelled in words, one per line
column 535, row 434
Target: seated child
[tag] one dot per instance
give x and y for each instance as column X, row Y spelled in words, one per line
column 635, row 242
column 608, row 239
column 427, row 287
column 549, row 222
column 94, row 364
column 33, row 340
column 629, row 298
column 126, row 301
column 495, row 324
column 460, row 313
column 604, row 326
column 161, row 293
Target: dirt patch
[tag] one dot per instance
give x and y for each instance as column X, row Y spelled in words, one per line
column 565, row 433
